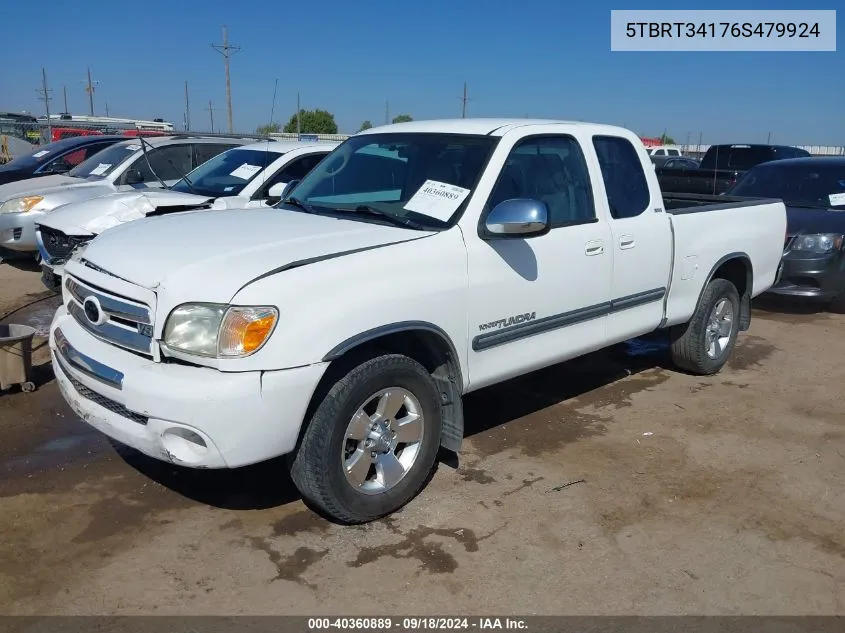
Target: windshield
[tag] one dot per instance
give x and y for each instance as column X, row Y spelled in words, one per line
column 421, row 177
column 32, row 158
column 226, row 174
column 105, row 162
column 816, row 185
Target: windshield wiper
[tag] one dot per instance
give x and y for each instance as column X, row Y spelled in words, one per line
column 296, row 202
column 393, row 219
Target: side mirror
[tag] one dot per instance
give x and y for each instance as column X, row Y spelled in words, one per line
column 288, row 188
column 134, row 177
column 519, row 217
column 277, row 190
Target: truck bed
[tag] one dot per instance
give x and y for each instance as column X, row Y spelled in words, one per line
column 707, row 230
column 681, row 203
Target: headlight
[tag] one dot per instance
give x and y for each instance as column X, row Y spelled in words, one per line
column 819, row 243
column 20, row 205
column 219, row 331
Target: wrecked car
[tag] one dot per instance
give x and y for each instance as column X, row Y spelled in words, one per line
column 248, row 176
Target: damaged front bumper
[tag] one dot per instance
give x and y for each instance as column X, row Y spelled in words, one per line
column 55, row 249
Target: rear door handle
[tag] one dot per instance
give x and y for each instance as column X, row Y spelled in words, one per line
column 594, row 247
column 626, row 241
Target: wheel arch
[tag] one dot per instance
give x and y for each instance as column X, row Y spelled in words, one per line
column 424, row 342
column 736, row 268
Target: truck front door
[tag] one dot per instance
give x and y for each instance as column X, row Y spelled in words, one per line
column 538, row 301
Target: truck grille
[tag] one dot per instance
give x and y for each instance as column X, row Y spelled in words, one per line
column 103, row 401
column 58, row 245
column 111, row 318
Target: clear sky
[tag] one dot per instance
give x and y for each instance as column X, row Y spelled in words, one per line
column 542, row 58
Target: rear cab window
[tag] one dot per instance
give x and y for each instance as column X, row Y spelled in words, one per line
column 625, row 181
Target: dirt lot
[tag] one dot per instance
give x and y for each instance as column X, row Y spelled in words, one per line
column 718, row 495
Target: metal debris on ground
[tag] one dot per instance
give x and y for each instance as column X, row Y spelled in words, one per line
column 566, row 485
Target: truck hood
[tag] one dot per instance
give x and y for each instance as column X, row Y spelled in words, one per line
column 804, row 220
column 40, row 186
column 209, row 255
column 92, row 217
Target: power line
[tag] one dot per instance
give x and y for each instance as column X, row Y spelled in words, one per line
column 187, row 109
column 464, row 100
column 210, row 109
column 89, row 88
column 44, row 91
column 227, row 51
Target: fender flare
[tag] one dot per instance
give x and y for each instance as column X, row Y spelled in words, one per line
column 745, row 298
column 448, row 379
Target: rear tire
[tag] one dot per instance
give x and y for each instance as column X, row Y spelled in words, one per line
column 351, row 464
column 704, row 344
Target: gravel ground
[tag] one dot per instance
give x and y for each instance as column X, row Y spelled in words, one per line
column 688, row 495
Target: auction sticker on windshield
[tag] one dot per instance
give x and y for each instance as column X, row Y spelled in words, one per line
column 438, row 200
column 837, row 199
column 245, row 171
column 43, row 152
column 100, row 169
column 133, row 148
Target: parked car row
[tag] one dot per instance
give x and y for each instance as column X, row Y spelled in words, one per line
column 245, row 176
column 126, row 165
column 721, row 167
column 415, row 263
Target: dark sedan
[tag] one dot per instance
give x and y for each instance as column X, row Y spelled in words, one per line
column 55, row 158
column 813, row 190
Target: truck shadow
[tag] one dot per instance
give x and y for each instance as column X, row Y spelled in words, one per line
column 522, row 396
column 268, row 484
column 258, row 487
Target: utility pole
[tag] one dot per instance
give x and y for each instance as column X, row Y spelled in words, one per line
column 211, row 110
column 298, row 122
column 64, row 89
column 386, row 112
column 700, row 136
column 187, row 109
column 45, row 97
column 89, row 88
column 769, row 139
column 107, row 108
column 227, row 51
column 464, row 99
column 686, row 147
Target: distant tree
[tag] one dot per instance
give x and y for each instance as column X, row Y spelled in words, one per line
column 366, row 125
column 403, row 118
column 313, row 122
column 666, row 139
column 270, row 128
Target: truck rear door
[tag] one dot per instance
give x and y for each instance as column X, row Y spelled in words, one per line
column 641, row 238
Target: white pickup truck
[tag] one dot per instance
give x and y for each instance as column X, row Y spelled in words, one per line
column 416, row 263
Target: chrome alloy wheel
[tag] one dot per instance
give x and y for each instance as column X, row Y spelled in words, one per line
column 383, row 440
column 719, row 328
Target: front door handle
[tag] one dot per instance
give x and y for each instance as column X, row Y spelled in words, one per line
column 594, row 247
column 626, row 241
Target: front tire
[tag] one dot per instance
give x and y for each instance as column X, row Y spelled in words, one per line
column 372, row 442
column 702, row 346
